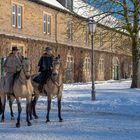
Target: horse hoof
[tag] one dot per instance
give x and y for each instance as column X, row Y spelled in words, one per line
column 31, row 118
column 36, row 117
column 61, row 120
column 2, row 120
column 47, row 121
column 12, row 118
column 29, row 123
column 17, row 125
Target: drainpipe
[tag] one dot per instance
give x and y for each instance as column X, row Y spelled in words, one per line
column 56, row 31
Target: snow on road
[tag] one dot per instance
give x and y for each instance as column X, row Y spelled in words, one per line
column 115, row 115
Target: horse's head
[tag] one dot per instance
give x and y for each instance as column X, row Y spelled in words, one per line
column 56, row 66
column 26, row 66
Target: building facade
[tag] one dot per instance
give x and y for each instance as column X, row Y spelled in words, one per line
column 32, row 25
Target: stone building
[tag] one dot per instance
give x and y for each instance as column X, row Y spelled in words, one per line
column 32, row 25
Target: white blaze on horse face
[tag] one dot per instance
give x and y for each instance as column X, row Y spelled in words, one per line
column 27, row 67
column 56, row 69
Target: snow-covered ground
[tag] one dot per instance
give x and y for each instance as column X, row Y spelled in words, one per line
column 115, row 115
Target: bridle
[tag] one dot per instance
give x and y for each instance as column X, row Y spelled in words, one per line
column 58, row 85
column 24, row 71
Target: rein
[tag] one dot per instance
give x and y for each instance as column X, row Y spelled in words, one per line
column 57, row 84
column 20, row 79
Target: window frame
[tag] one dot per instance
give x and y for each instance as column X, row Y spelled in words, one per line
column 47, row 23
column 70, row 30
column 18, row 15
column 14, row 15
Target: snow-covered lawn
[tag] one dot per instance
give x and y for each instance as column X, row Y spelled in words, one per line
column 115, row 115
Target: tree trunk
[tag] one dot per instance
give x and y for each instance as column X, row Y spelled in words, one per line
column 135, row 63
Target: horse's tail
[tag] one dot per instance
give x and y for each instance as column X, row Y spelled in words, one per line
column 0, row 106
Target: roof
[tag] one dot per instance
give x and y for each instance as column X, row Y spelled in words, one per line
column 85, row 10
column 52, row 3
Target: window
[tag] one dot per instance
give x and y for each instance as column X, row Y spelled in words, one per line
column 47, row 24
column 70, row 69
column 21, row 47
column 69, row 4
column 70, row 62
column 101, row 40
column 69, row 30
column 86, row 37
column 17, row 16
column 87, row 69
column 14, row 16
column 101, row 65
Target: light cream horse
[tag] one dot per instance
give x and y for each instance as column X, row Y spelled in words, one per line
column 52, row 88
column 22, row 88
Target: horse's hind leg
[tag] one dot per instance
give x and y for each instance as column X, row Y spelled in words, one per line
column 11, row 109
column 3, row 102
column 19, row 112
column 34, row 106
column 48, row 110
column 0, row 106
column 59, row 109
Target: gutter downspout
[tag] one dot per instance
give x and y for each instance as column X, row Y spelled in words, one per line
column 56, row 32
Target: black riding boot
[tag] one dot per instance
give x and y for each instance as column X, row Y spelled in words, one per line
column 40, row 88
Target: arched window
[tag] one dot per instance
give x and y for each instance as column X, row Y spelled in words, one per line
column 100, row 71
column 115, row 69
column 87, row 69
column 101, row 65
column 69, row 69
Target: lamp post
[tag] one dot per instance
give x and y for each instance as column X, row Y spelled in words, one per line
column 92, row 28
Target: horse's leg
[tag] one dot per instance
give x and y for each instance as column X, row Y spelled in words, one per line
column 11, row 109
column 28, row 112
column 59, row 108
column 19, row 112
column 34, row 106
column 3, row 102
column 0, row 106
column 48, row 110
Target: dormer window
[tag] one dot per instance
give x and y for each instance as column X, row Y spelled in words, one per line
column 69, row 4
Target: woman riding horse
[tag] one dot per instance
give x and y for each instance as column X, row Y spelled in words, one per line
column 53, row 87
column 45, row 65
column 12, row 66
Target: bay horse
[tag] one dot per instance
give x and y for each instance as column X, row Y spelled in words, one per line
column 52, row 88
column 22, row 88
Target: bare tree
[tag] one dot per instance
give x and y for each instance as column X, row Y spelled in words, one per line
column 122, row 15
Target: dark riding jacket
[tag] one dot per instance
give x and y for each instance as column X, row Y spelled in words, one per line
column 45, row 66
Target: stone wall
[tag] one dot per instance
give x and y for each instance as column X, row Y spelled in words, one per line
column 35, row 50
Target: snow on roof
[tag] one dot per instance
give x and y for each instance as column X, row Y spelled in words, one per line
column 85, row 10
column 54, row 3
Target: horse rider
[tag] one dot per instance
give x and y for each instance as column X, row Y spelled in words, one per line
column 12, row 66
column 45, row 68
